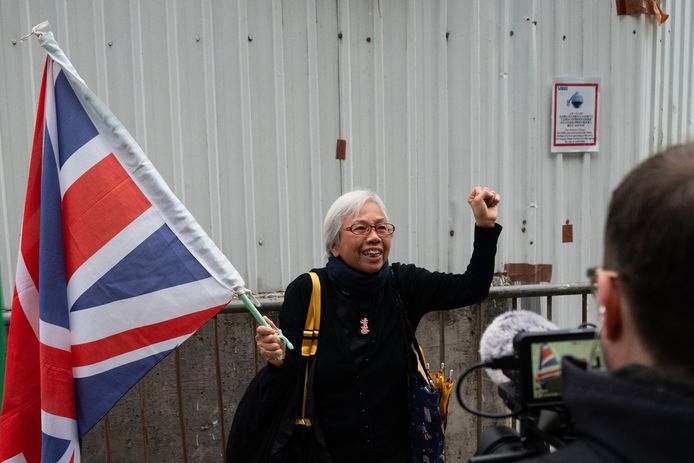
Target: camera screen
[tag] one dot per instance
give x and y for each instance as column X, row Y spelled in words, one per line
column 545, row 358
column 540, row 355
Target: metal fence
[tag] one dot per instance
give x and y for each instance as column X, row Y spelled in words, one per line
column 183, row 409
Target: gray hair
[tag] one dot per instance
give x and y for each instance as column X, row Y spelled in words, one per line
column 346, row 205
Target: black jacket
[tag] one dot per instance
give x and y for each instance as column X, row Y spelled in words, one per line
column 361, row 396
column 360, row 382
column 633, row 414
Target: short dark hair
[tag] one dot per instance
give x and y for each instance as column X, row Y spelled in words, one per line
column 649, row 240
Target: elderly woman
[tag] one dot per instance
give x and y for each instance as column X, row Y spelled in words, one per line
column 360, row 386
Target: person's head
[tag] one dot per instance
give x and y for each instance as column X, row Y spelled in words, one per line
column 364, row 252
column 649, row 243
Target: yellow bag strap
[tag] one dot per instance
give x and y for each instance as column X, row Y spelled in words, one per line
column 309, row 343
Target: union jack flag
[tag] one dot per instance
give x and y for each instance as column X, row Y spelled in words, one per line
column 113, row 273
column 548, row 367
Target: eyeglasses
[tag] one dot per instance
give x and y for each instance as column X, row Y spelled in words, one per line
column 596, row 357
column 362, row 228
column 593, row 273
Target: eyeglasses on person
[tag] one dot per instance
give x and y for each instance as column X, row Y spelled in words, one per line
column 363, row 228
column 595, row 359
column 593, row 273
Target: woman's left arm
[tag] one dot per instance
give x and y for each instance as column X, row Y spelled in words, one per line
column 424, row 291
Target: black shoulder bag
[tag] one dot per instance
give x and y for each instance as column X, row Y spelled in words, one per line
column 273, row 420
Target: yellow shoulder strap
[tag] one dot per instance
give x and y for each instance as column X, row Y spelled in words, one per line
column 309, row 343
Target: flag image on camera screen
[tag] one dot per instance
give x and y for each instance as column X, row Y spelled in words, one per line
column 545, row 360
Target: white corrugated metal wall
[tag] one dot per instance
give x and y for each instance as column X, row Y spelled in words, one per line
column 239, row 105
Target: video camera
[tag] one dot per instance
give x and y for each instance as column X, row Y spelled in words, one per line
column 533, row 394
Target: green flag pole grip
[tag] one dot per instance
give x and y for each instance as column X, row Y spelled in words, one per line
column 259, row 318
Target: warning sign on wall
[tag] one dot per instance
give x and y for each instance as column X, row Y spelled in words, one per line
column 574, row 116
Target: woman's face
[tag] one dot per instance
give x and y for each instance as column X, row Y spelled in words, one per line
column 366, row 253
